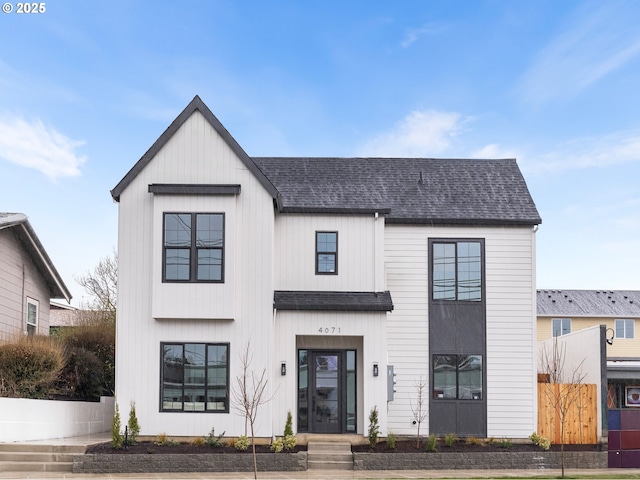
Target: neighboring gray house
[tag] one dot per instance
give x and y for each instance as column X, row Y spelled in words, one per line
column 338, row 272
column 28, row 280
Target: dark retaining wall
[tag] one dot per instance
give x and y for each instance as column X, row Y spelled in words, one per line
column 200, row 462
column 480, row 461
column 297, row 462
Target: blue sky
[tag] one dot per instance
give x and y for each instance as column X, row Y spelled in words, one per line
column 87, row 87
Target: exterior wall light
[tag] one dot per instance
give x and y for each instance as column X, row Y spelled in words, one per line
column 375, row 370
column 283, row 368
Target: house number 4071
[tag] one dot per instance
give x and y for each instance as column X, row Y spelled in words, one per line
column 329, row 330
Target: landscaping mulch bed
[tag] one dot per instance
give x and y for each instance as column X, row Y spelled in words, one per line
column 460, row 446
column 151, row 448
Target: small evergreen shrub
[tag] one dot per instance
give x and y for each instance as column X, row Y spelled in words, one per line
column 242, row 443
column 133, row 425
column 374, row 428
column 277, row 445
column 289, row 442
column 117, row 440
column 540, row 441
column 288, row 426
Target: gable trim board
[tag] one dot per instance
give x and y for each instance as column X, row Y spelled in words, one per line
column 374, row 313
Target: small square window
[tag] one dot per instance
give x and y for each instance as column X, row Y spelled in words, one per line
column 560, row 326
column 327, row 253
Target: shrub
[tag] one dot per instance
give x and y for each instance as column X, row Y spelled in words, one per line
column 117, row 441
column 214, row 440
column 474, row 441
column 82, row 376
column 132, row 425
column 277, row 445
column 198, row 442
column 242, row 443
column 540, row 441
column 391, row 440
column 505, row 443
column 450, row 439
column 374, row 428
column 289, row 442
column 288, row 426
column 432, row 443
column 30, row 366
column 162, row 439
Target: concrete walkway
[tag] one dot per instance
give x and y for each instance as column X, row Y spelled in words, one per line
column 308, row 475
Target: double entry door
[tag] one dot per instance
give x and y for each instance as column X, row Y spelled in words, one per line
column 327, row 391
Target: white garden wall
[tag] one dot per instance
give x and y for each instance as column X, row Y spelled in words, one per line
column 24, row 419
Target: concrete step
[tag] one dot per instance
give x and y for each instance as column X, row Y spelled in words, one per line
column 26, row 447
column 36, row 457
column 329, row 456
column 36, row 466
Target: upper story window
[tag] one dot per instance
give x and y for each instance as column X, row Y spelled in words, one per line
column 457, row 270
column 327, row 253
column 624, row 328
column 560, row 326
column 195, row 377
column 32, row 316
column 193, row 247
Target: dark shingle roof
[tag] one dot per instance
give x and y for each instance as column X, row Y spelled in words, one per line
column 335, row 301
column 588, row 303
column 409, row 190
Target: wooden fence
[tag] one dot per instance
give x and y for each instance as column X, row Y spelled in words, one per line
column 579, row 401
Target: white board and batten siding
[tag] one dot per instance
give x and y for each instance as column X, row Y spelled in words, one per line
column 511, row 309
column 237, row 311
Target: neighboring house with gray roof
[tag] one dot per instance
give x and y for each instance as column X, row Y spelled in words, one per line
column 339, row 273
column 28, row 280
column 561, row 312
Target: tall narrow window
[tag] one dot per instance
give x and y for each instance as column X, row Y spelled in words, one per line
column 32, row 316
column 195, row 377
column 457, row 377
column 193, row 247
column 624, row 328
column 457, row 271
column 560, row 326
column 327, row 253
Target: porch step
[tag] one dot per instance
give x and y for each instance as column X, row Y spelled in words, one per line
column 20, row 457
column 329, row 456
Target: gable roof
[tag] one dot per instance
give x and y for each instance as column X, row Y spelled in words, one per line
column 195, row 105
column 409, row 190
column 28, row 238
column 588, row 303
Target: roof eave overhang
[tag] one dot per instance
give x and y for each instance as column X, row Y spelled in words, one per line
column 483, row 222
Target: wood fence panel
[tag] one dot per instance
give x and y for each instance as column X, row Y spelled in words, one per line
column 579, row 402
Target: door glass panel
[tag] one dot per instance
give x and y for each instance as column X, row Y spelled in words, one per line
column 326, row 413
column 351, row 391
column 303, row 391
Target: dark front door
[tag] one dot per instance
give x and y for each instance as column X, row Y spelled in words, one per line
column 326, row 392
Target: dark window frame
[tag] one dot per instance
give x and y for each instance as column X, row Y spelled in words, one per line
column 456, row 242
column 435, row 392
column 227, row 400
column 323, row 252
column 193, row 249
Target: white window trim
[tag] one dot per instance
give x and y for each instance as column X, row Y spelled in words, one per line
column 561, row 320
column 36, row 303
column 624, row 327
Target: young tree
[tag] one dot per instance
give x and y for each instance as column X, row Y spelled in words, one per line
column 250, row 393
column 419, row 409
column 563, row 392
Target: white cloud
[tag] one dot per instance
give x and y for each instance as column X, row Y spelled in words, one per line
column 600, row 38
column 590, row 152
column 34, row 145
column 413, row 34
column 419, row 134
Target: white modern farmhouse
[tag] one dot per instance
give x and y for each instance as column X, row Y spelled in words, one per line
column 342, row 274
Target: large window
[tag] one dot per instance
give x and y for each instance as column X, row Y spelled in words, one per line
column 193, row 247
column 624, row 328
column 457, row 377
column 457, row 271
column 327, row 253
column 560, row 326
column 32, row 316
column 195, row 377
